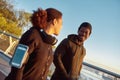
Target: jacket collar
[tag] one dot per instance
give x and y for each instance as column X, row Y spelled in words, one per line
column 74, row 38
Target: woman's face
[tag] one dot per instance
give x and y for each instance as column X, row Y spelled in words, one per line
column 58, row 26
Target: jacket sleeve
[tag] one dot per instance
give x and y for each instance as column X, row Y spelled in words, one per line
column 82, row 57
column 59, row 53
column 30, row 40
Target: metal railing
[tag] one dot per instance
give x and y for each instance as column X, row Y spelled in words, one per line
column 7, row 34
column 8, row 42
column 101, row 73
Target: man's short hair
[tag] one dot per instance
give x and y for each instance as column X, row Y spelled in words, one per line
column 87, row 25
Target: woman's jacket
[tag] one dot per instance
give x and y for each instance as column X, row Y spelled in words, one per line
column 40, row 58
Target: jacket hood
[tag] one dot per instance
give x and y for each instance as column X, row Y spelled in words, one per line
column 74, row 38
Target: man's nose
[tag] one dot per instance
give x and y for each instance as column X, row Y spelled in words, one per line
column 83, row 33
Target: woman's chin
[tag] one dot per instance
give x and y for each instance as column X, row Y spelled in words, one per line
column 56, row 34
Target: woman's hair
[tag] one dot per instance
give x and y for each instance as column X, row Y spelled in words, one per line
column 87, row 25
column 41, row 17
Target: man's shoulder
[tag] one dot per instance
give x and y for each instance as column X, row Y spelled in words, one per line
column 65, row 40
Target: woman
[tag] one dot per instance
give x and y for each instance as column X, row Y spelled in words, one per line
column 40, row 41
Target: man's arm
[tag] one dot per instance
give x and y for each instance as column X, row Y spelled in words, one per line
column 59, row 53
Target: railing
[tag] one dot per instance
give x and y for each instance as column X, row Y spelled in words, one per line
column 99, row 73
column 89, row 71
column 8, row 42
column 7, row 34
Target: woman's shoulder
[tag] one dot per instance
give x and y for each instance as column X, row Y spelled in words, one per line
column 31, row 32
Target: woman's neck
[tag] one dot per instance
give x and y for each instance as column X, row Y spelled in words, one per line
column 49, row 31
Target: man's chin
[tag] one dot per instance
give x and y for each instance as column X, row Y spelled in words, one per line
column 81, row 39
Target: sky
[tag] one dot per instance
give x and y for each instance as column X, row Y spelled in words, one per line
column 103, row 46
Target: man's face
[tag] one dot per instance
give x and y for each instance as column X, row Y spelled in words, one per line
column 83, row 33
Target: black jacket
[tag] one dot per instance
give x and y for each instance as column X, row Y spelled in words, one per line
column 68, row 59
column 40, row 58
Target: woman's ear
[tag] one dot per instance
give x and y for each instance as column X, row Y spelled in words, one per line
column 54, row 21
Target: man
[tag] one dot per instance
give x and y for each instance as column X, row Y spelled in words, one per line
column 69, row 54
